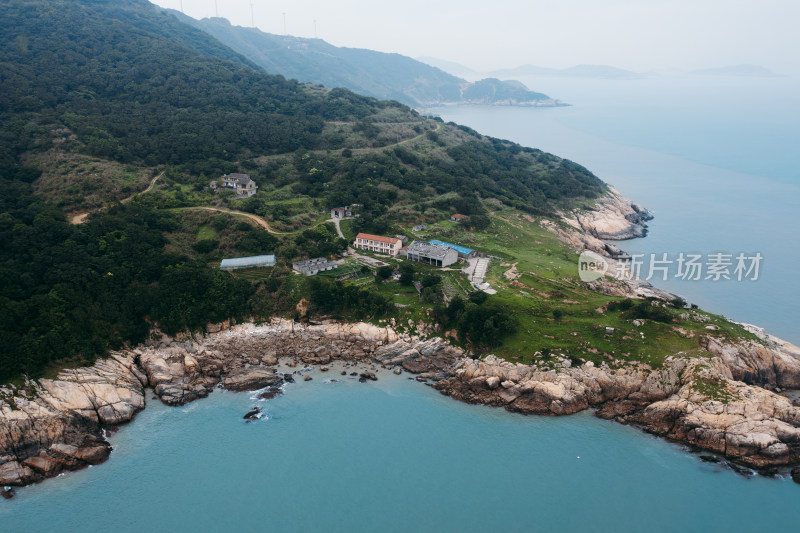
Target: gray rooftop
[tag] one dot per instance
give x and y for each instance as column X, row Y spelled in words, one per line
column 433, row 251
column 241, row 178
column 247, row 262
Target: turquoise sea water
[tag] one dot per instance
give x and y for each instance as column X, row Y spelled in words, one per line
column 393, row 455
column 716, row 161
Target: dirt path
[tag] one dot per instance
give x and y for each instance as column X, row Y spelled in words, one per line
column 148, row 189
column 255, row 218
column 338, row 228
column 80, row 218
column 361, row 151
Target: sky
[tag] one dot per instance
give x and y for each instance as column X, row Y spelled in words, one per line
column 640, row 35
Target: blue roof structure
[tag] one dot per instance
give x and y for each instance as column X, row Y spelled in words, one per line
column 247, row 262
column 460, row 249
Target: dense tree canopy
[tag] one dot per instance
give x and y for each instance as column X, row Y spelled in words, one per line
column 70, row 290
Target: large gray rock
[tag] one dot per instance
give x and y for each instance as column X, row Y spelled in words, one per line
column 45, row 465
column 93, row 455
column 249, row 379
column 15, row 474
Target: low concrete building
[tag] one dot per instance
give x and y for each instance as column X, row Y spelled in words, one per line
column 431, row 254
column 403, row 239
column 459, row 218
column 341, row 212
column 378, row 243
column 421, row 227
column 256, row 261
column 310, row 267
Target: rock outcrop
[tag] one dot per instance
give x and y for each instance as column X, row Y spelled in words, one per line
column 716, row 403
column 56, row 425
column 613, row 218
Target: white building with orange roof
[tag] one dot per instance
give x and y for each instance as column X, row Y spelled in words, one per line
column 378, row 243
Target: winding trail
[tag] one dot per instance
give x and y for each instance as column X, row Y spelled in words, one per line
column 80, row 218
column 148, row 189
column 361, row 151
column 255, row 218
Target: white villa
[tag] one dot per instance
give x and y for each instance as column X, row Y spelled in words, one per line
column 378, row 243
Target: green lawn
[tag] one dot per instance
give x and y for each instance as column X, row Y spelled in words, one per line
column 206, row 232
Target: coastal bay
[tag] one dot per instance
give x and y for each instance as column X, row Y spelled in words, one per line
column 393, row 455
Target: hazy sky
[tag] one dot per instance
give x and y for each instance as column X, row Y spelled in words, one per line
column 635, row 34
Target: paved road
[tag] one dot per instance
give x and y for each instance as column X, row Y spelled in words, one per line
column 338, row 228
column 476, row 270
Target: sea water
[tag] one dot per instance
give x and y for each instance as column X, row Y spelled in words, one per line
column 716, row 161
column 392, row 455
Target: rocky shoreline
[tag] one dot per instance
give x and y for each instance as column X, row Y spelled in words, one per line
column 51, row 426
column 722, row 404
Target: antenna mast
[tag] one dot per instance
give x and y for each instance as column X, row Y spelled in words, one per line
column 315, row 28
column 284, row 22
column 216, row 8
column 252, row 16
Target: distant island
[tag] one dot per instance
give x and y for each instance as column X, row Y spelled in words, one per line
column 367, row 72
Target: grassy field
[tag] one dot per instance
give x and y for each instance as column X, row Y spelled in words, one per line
column 536, row 278
column 206, row 232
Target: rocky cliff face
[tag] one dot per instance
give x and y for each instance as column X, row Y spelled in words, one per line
column 613, row 218
column 54, row 425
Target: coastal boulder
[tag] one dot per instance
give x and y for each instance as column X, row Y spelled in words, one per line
column 93, row 455
column 44, row 464
column 15, row 474
column 249, row 379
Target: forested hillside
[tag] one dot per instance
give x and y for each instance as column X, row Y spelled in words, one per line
column 87, row 85
column 377, row 74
